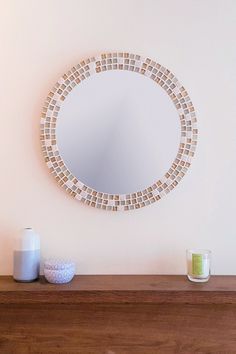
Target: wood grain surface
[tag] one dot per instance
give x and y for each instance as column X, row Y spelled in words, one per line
column 119, row 327
column 121, row 289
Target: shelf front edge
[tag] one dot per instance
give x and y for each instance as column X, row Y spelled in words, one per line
column 118, row 296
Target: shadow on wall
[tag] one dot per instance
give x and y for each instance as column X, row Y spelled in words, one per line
column 169, row 259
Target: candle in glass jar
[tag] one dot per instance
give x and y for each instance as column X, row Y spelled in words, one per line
column 198, row 265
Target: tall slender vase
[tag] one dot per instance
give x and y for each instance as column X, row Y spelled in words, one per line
column 26, row 256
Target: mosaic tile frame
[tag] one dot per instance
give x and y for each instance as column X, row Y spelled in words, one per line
column 144, row 66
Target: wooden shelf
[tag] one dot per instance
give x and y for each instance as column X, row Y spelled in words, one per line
column 121, row 289
column 132, row 314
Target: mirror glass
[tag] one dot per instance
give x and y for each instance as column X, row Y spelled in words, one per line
column 118, row 132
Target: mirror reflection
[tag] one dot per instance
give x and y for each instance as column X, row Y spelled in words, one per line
column 118, row 132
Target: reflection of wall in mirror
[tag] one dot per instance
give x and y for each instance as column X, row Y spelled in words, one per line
column 118, row 132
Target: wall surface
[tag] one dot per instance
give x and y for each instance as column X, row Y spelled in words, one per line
column 39, row 41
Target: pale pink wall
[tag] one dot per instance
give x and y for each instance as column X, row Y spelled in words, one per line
column 39, row 41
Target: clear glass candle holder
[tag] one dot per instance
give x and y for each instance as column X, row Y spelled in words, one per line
column 198, row 265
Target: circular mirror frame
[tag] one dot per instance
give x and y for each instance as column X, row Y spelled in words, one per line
column 143, row 66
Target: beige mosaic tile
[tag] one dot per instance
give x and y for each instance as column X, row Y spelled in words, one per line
column 144, row 66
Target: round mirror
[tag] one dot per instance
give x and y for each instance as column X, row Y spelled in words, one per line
column 118, row 131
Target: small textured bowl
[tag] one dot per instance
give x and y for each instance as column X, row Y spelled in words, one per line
column 59, row 271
